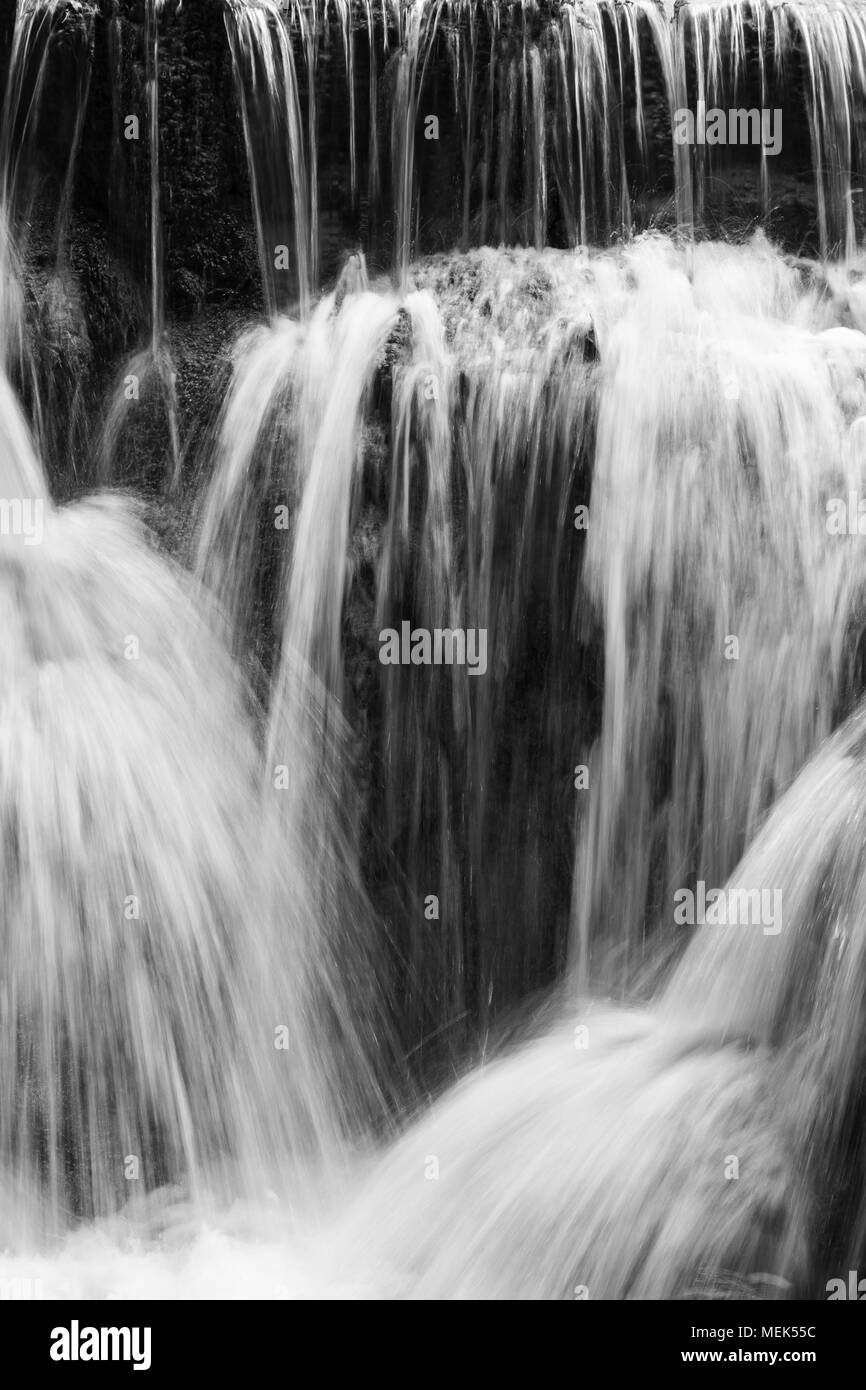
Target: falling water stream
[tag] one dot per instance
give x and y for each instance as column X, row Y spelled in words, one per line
column 326, row 976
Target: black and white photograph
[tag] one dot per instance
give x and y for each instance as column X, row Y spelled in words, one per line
column 432, row 667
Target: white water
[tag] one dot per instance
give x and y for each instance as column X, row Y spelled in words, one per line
column 189, row 771
column 146, row 776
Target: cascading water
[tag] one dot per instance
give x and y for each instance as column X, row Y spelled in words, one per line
column 478, row 611
column 151, row 962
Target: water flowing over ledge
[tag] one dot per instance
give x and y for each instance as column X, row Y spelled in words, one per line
column 561, row 113
column 263, row 894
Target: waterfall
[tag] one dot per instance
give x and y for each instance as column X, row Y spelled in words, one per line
column 263, row 59
column 28, row 65
column 432, row 452
column 152, row 959
column 592, row 56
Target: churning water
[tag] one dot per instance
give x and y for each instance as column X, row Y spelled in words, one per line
column 264, row 896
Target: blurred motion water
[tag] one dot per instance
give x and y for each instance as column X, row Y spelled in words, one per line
column 265, row 900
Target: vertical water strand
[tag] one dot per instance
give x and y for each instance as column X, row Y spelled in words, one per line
column 285, row 97
column 514, row 384
column 591, row 97
column 463, row 57
column 30, row 39
column 815, row 131
column 666, row 36
column 538, row 164
column 720, row 25
column 563, row 162
column 420, row 26
column 708, row 765
column 524, row 181
column 420, row 40
column 316, row 811
column 842, row 39
column 235, row 45
column 637, row 22
column 471, row 80
column 251, row 456
column 25, row 79
column 601, row 67
column 402, row 144
column 68, row 432
column 21, row 473
column 374, row 177
column 857, row 32
column 290, row 428
column 576, row 79
column 44, row 38
column 573, row 167
column 816, row 125
column 486, row 171
column 507, row 102
column 454, row 54
column 700, row 154
column 625, row 201
column 398, row 19
column 738, row 15
column 829, row 120
column 308, row 27
column 760, row 19
column 678, row 100
column 104, row 1050
column 311, row 40
column 83, row 72
column 344, row 8
column 726, row 64
column 416, row 578
column 160, row 354
column 265, row 79
column 837, row 38
column 151, row 43
column 631, row 19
